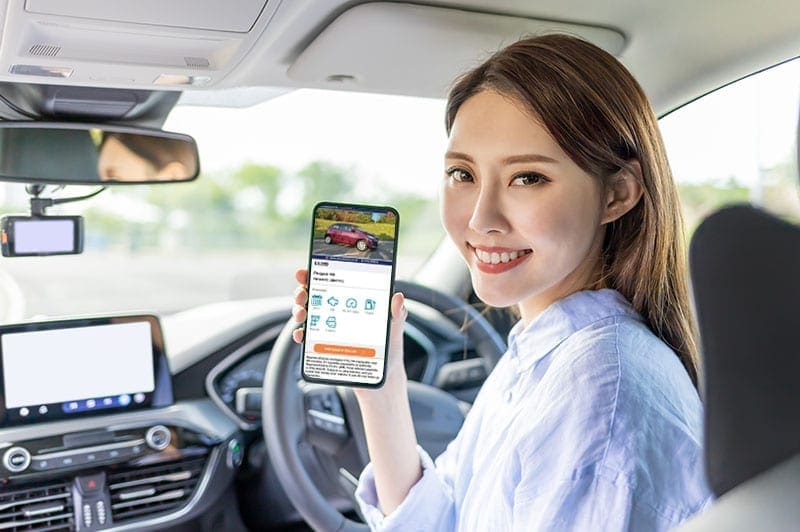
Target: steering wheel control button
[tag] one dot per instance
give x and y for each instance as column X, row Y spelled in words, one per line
column 17, row 459
column 158, row 437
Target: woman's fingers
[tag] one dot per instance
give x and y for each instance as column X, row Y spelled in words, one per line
column 297, row 335
column 399, row 314
column 300, row 295
column 398, row 306
column 301, row 276
column 299, row 313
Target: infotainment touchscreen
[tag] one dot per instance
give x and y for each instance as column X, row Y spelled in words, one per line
column 62, row 369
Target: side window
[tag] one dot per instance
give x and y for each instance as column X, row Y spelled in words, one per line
column 737, row 144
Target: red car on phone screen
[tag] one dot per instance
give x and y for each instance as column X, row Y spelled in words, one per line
column 351, row 235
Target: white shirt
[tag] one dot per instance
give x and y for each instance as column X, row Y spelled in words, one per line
column 589, row 422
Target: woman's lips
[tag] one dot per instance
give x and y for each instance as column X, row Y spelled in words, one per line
column 498, row 260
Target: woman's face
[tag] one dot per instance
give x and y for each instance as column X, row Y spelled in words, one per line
column 525, row 217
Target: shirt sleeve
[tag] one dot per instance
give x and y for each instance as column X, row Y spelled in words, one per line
column 428, row 506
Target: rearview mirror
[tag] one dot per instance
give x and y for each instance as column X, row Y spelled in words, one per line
column 91, row 154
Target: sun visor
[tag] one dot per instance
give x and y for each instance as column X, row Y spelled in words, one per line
column 418, row 50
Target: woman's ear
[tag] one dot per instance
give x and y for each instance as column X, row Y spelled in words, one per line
column 623, row 191
column 173, row 171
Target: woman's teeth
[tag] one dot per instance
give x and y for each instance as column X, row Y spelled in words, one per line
column 497, row 258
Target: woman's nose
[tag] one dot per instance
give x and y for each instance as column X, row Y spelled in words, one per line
column 487, row 215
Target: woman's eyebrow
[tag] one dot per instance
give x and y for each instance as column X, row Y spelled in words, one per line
column 512, row 159
column 529, row 158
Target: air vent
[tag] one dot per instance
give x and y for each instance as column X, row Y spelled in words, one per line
column 145, row 491
column 37, row 508
column 196, row 62
column 44, row 50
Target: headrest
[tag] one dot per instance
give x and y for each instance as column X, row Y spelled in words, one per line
column 744, row 264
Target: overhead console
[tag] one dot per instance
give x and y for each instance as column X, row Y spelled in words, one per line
column 129, row 43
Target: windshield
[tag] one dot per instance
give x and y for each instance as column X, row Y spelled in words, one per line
column 241, row 229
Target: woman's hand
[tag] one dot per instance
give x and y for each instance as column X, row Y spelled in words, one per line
column 396, row 378
column 385, row 411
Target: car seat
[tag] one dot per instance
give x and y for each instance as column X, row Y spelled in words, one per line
column 745, row 268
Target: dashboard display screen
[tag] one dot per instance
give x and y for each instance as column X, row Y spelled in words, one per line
column 55, row 370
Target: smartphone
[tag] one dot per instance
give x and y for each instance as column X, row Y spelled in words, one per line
column 351, row 268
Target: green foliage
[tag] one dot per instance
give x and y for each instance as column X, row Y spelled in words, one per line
column 239, row 209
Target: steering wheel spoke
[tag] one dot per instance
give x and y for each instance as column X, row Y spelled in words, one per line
column 326, row 425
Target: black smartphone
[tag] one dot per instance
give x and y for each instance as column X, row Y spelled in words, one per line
column 351, row 268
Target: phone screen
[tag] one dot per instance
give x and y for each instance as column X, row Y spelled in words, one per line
column 350, row 278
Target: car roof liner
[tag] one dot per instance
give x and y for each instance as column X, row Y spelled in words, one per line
column 89, row 104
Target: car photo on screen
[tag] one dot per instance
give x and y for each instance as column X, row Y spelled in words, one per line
column 354, row 233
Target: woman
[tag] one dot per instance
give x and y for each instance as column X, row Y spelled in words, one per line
column 558, row 194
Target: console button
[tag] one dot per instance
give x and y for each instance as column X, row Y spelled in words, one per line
column 17, row 459
column 91, row 484
column 101, row 512
column 44, row 464
column 87, row 515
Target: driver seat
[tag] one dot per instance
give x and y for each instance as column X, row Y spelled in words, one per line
column 744, row 264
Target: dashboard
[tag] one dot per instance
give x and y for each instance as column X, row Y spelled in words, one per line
column 180, row 445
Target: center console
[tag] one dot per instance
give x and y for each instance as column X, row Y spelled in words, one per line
column 89, row 436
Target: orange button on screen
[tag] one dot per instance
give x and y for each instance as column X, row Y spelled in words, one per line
column 331, row 349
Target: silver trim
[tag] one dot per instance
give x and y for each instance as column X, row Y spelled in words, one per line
column 230, row 361
column 241, row 396
column 166, row 496
column 202, row 485
column 326, row 417
column 64, row 495
column 126, row 495
column 349, row 477
column 42, row 511
column 30, row 522
column 169, row 477
column 150, row 434
column 83, row 450
column 17, row 468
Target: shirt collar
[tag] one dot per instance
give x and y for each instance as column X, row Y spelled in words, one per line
column 528, row 345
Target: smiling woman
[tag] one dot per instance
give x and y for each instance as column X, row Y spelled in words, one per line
column 558, row 195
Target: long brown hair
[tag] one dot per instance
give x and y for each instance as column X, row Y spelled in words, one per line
column 599, row 115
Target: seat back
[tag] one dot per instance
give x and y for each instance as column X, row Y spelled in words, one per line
column 745, row 267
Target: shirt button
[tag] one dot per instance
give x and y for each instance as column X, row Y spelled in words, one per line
column 508, row 396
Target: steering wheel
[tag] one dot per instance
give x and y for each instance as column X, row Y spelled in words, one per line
column 313, row 428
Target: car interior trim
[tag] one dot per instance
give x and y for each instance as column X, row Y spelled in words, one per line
column 212, row 464
column 230, row 361
column 200, row 415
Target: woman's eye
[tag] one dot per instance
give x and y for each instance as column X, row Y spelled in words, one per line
column 457, row 174
column 528, row 179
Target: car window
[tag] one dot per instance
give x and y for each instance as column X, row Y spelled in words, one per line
column 241, row 229
column 737, row 144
